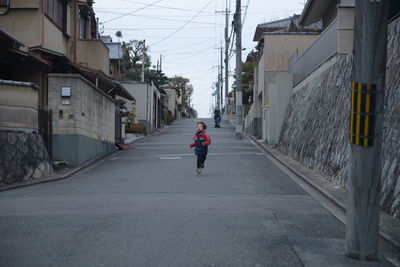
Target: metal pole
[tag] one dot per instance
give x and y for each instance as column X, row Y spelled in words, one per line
column 238, row 30
column 366, row 119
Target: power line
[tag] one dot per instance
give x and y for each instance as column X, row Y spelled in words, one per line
column 202, row 72
column 157, row 36
column 195, row 51
column 152, row 17
column 191, row 55
column 132, row 12
column 166, row 37
column 158, row 29
column 167, row 7
column 245, row 12
column 179, row 47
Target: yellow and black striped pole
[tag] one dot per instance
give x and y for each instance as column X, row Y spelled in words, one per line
column 362, row 114
column 365, row 129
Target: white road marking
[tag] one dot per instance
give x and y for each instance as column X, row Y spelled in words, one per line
column 191, row 154
column 170, row 157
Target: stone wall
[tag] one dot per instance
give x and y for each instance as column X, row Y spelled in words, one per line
column 315, row 129
column 23, row 157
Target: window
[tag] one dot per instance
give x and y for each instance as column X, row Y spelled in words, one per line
column 83, row 25
column 56, row 10
column 4, row 3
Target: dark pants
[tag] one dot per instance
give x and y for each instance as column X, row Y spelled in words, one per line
column 200, row 161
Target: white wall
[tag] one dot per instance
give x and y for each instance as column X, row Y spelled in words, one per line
column 279, row 94
column 141, row 92
column 144, row 95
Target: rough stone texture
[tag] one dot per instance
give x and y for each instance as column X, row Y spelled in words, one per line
column 390, row 197
column 23, row 157
column 315, row 130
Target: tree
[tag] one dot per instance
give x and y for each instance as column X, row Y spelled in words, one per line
column 132, row 59
column 247, row 82
column 157, row 76
column 179, row 83
column 118, row 34
column 188, row 93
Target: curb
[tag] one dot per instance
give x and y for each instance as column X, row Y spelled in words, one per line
column 91, row 163
column 52, row 178
column 337, row 202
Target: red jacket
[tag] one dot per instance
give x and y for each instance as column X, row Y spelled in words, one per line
column 201, row 142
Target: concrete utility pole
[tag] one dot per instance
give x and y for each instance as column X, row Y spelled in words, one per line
column 366, row 119
column 226, row 56
column 221, row 82
column 238, row 31
column 217, row 93
column 143, row 58
column 226, row 59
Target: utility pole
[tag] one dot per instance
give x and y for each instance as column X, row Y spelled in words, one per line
column 221, row 82
column 218, row 95
column 143, row 58
column 226, row 56
column 226, row 60
column 238, row 31
column 366, row 119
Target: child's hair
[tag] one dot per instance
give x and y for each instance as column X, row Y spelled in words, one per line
column 202, row 123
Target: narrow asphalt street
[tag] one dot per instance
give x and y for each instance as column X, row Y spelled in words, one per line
column 148, row 207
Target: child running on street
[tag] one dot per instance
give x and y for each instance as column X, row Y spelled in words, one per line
column 201, row 142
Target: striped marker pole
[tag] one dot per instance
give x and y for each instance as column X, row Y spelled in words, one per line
column 365, row 129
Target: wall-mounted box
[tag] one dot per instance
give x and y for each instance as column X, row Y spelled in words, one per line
column 65, row 91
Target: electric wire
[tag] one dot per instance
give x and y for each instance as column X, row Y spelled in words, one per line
column 159, row 29
column 136, row 10
column 166, row 37
column 245, row 12
column 153, row 17
column 167, row 7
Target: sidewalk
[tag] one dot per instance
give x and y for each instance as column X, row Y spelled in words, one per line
column 389, row 226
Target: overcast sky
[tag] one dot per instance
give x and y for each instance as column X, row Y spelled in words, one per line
column 188, row 34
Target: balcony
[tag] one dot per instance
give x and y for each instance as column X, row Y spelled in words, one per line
column 93, row 53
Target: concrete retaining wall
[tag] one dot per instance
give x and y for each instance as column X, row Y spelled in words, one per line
column 315, row 129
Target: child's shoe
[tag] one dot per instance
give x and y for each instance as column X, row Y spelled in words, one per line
column 198, row 170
